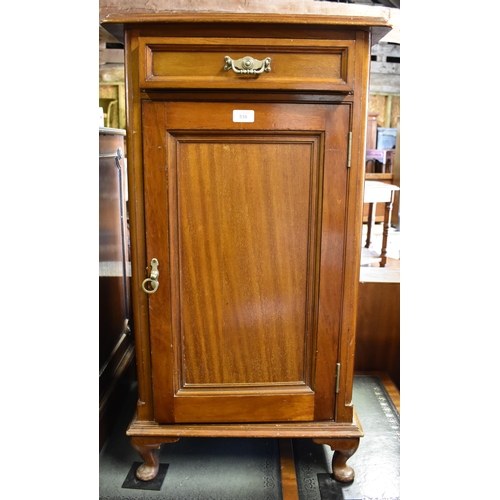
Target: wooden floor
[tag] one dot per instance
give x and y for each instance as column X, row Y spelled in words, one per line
column 389, row 385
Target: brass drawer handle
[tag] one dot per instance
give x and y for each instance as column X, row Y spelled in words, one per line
column 247, row 65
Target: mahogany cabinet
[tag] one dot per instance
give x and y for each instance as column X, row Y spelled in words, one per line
column 246, row 169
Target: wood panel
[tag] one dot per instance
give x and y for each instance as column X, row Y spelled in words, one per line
column 385, row 70
column 199, row 62
column 239, row 269
column 250, row 252
column 371, row 132
column 287, row 465
column 378, row 328
column 387, row 107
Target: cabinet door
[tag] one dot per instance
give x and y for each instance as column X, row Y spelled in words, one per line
column 245, row 210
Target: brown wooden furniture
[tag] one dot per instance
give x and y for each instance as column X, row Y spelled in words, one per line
column 379, row 192
column 379, row 167
column 378, row 161
column 112, row 100
column 246, row 158
column 371, row 131
column 378, row 322
column 376, row 170
column 116, row 347
column 396, row 179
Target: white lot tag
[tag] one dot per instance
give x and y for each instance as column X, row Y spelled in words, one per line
column 243, row 115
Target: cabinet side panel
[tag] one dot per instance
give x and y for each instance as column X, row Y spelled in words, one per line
column 332, row 258
column 353, row 216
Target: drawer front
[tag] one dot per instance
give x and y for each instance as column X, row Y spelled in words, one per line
column 201, row 63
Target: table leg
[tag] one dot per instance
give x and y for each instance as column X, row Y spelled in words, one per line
column 385, row 233
column 371, row 220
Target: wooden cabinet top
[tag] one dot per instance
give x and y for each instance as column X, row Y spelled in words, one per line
column 378, row 23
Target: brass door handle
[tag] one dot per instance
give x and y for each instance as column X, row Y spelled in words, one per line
column 247, row 65
column 153, row 279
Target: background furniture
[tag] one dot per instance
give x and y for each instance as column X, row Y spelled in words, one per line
column 396, row 179
column 112, row 100
column 116, row 348
column 379, row 192
column 378, row 322
column 378, row 161
column 380, row 168
column 246, row 165
column 111, row 80
column 371, row 131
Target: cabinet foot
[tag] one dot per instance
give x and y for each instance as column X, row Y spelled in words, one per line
column 148, row 449
column 343, row 450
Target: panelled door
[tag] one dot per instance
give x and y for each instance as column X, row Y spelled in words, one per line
column 245, row 213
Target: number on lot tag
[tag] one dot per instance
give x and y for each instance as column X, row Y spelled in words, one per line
column 243, row 116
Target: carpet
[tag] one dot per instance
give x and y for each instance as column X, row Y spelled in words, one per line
column 376, row 461
column 249, row 469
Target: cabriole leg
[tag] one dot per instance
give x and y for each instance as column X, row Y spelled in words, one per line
column 343, row 450
column 148, row 449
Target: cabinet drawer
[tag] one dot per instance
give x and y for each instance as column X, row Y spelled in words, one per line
column 200, row 63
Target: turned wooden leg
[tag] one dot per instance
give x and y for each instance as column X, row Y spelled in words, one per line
column 343, row 449
column 369, row 226
column 385, row 233
column 148, row 449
